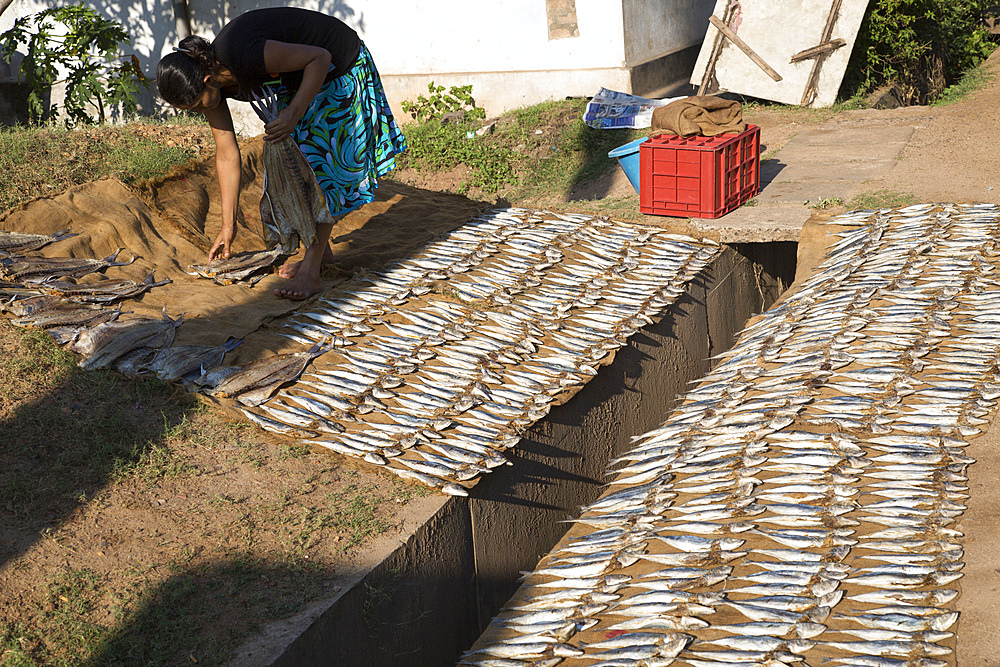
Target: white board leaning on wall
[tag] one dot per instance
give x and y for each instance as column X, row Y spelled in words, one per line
column 820, row 33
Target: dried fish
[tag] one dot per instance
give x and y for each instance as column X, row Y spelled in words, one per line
column 67, row 315
column 236, row 267
column 105, row 343
column 38, row 269
column 180, row 361
column 255, row 382
column 293, row 203
column 102, row 291
column 27, row 305
column 13, row 243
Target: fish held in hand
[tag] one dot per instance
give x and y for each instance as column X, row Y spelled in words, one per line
column 228, row 270
column 293, row 203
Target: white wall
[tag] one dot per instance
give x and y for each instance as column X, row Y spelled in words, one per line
column 502, row 48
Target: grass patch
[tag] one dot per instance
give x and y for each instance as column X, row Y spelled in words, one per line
column 883, row 199
column 974, row 80
column 87, row 427
column 47, row 159
column 355, row 509
column 528, row 153
column 169, row 622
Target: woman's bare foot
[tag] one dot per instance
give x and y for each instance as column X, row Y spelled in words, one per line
column 299, row 287
column 289, row 269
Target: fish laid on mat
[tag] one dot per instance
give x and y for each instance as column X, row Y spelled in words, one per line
column 228, row 270
column 180, row 361
column 14, row 291
column 12, row 243
column 255, row 382
column 23, row 307
column 38, row 269
column 66, row 315
column 292, row 204
column 103, row 291
column 106, row 343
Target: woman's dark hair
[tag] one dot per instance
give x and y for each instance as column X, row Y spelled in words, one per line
column 180, row 76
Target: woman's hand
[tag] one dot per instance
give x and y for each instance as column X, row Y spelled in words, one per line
column 222, row 243
column 282, row 125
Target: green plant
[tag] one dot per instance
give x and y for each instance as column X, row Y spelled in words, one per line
column 439, row 102
column 922, row 46
column 88, row 53
column 825, row 203
column 436, row 146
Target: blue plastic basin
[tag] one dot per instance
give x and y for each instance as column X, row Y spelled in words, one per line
column 628, row 158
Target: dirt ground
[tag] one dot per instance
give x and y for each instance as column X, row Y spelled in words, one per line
column 235, row 528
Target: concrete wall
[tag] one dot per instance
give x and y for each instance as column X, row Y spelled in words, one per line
column 656, row 28
column 432, row 597
column 513, row 52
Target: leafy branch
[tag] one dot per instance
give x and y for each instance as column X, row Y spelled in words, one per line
column 86, row 50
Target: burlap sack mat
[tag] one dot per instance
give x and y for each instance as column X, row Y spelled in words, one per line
column 171, row 223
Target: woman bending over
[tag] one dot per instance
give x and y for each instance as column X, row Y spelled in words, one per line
column 332, row 105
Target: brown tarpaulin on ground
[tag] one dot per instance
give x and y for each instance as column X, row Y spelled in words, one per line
column 171, row 223
column 704, row 115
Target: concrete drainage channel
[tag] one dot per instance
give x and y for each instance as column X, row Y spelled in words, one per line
column 425, row 601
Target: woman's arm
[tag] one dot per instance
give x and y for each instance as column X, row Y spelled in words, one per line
column 314, row 61
column 227, row 166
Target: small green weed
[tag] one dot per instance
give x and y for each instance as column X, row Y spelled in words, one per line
column 825, row 203
column 150, row 464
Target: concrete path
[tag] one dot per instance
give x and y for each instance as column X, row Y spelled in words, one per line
column 833, row 160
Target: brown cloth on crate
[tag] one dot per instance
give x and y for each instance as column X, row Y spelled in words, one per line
column 705, row 115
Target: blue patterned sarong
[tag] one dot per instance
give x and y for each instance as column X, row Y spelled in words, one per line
column 348, row 135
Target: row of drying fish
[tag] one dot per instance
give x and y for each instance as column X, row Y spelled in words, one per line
column 439, row 363
column 799, row 506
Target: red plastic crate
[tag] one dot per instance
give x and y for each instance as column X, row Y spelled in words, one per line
column 698, row 177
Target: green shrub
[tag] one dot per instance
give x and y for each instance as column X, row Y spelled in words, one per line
column 922, row 46
column 439, row 102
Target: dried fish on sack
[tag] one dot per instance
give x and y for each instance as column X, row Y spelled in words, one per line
column 39, row 269
column 180, row 361
column 67, row 314
column 292, row 204
column 102, row 291
column 12, row 243
column 106, row 343
column 31, row 302
column 253, row 383
column 229, row 270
